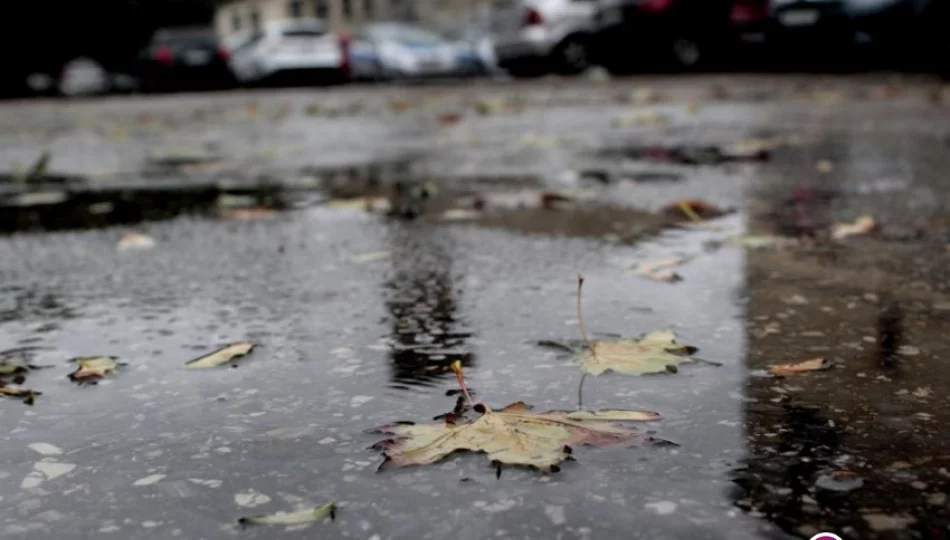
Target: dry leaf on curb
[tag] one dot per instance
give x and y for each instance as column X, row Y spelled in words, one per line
column 513, row 435
column 656, row 352
column 659, row 270
column 816, row 364
column 861, row 226
column 222, row 355
column 299, row 517
column 134, row 240
column 93, row 368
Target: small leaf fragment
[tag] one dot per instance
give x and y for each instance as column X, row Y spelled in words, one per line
column 135, row 240
column 861, row 226
column 815, row 364
column 371, row 257
column 299, row 517
column 652, row 353
column 659, row 270
column 93, row 368
column 222, row 355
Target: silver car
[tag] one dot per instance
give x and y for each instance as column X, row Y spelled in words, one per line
column 534, row 37
column 387, row 51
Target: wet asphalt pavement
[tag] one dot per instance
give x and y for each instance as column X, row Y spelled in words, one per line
column 358, row 313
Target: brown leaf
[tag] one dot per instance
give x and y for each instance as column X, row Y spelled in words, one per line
column 816, row 364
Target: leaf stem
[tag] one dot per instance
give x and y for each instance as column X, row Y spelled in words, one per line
column 580, row 393
column 580, row 315
column 690, row 213
column 457, row 368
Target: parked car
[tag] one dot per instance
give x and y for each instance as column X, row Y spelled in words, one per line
column 184, row 59
column 293, row 48
column 387, row 51
column 534, row 37
column 475, row 50
column 684, row 34
column 888, row 30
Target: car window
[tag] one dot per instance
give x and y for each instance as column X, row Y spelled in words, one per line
column 396, row 32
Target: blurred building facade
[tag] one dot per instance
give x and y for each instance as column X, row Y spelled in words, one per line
column 239, row 16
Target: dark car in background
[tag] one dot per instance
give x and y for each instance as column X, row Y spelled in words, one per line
column 902, row 31
column 683, row 34
column 184, row 59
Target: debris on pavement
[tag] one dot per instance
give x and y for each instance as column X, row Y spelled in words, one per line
column 695, row 210
column 861, row 226
column 134, row 240
column 300, row 517
column 512, row 435
column 92, row 368
column 815, row 364
column 824, row 166
column 659, row 270
column 222, row 355
column 371, row 257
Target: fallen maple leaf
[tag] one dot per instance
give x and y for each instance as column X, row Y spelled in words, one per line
column 292, row 518
column 222, row 356
column 93, row 368
column 816, row 364
column 861, row 226
column 655, row 352
column 513, row 435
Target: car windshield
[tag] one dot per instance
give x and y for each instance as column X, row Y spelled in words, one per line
column 398, row 32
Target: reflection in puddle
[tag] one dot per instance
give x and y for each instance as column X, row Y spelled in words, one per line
column 860, row 449
column 428, row 333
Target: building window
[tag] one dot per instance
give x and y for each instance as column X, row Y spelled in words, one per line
column 256, row 20
column 236, row 20
column 347, row 8
column 320, row 9
column 295, row 9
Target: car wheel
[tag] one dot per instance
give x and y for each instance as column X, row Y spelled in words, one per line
column 571, row 56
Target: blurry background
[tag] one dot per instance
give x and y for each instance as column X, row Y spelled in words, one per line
column 71, row 48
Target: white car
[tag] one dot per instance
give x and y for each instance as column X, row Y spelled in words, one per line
column 534, row 37
column 289, row 47
column 386, row 51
